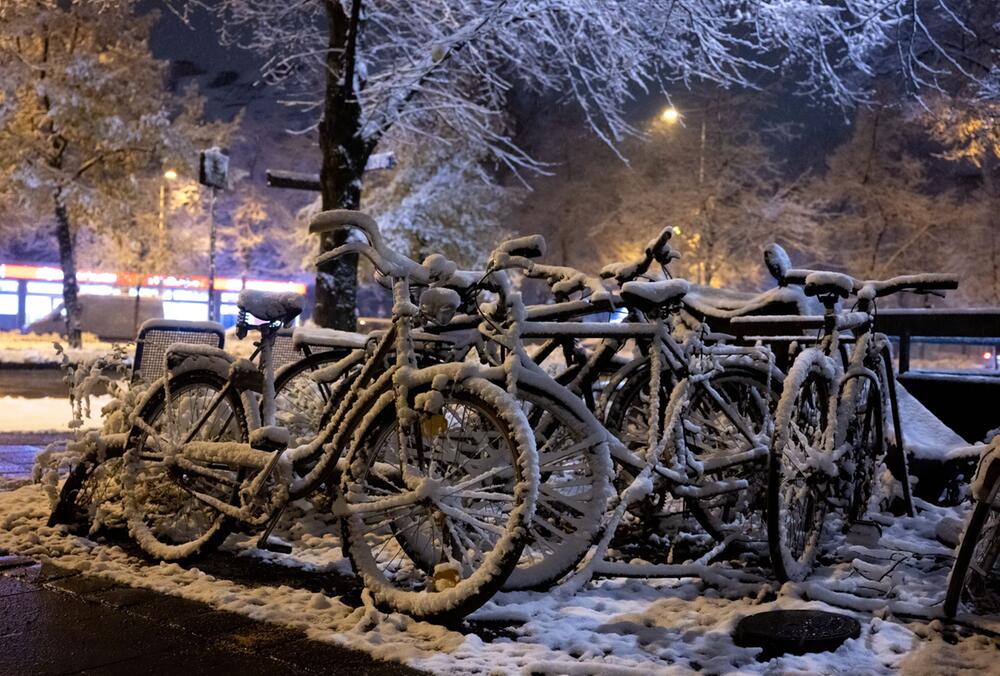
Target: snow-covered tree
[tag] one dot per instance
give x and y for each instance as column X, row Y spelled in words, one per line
column 965, row 118
column 440, row 199
column 371, row 70
column 882, row 213
column 969, row 128
column 83, row 115
column 712, row 175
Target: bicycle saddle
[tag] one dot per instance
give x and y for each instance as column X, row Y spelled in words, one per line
column 647, row 296
column 828, row 284
column 271, row 307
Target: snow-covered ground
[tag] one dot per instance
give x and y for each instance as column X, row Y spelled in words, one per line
column 612, row 626
column 891, row 581
column 31, row 348
column 43, row 414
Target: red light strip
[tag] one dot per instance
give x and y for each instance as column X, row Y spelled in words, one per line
column 131, row 279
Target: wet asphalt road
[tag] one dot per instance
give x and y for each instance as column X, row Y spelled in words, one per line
column 56, row 621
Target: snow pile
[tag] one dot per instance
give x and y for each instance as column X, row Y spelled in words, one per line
column 924, row 434
column 31, row 348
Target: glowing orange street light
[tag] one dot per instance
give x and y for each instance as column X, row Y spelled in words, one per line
column 670, row 115
column 170, row 174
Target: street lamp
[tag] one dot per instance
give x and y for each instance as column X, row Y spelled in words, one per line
column 170, row 174
column 670, row 115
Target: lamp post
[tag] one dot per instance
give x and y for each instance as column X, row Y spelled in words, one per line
column 671, row 116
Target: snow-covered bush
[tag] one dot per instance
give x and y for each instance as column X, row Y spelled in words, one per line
column 110, row 372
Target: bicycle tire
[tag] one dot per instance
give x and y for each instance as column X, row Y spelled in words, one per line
column 630, row 423
column 300, row 402
column 864, row 434
column 80, row 493
column 570, row 518
column 804, row 402
column 717, row 515
column 66, row 512
column 973, row 544
column 424, row 599
column 140, row 503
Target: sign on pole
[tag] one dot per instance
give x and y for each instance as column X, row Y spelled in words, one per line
column 213, row 171
column 213, row 168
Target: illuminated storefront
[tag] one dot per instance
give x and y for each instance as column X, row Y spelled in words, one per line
column 29, row 293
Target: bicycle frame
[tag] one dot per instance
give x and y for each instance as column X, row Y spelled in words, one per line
column 869, row 349
column 372, row 380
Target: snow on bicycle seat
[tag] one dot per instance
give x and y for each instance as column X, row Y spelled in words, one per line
column 828, row 284
column 269, row 306
column 723, row 305
column 647, row 296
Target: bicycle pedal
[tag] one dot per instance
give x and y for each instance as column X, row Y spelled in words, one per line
column 274, row 546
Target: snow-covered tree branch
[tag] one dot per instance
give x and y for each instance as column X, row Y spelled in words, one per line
column 445, row 69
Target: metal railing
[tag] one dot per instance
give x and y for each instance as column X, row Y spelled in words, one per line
column 946, row 326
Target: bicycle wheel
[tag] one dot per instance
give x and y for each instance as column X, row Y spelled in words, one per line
column 302, row 404
column 437, row 510
column 627, row 417
column 164, row 517
column 975, row 577
column 860, row 409
column 798, row 487
column 89, row 495
column 728, row 415
column 626, row 411
column 574, row 487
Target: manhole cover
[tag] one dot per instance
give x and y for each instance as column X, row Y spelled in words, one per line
column 780, row 632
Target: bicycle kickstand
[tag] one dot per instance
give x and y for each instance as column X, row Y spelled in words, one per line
column 264, row 542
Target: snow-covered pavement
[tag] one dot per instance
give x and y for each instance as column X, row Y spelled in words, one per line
column 613, row 626
column 27, row 414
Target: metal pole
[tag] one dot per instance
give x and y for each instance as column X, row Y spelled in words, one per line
column 163, row 225
column 211, row 259
column 701, row 155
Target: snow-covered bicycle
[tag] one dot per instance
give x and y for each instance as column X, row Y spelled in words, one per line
column 975, row 576
column 725, row 414
column 829, row 432
column 432, row 456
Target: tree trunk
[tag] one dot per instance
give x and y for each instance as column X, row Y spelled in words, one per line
column 67, row 260
column 345, row 154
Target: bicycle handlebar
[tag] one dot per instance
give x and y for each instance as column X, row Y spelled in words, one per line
column 879, row 288
column 657, row 249
column 386, row 261
column 780, row 267
column 925, row 283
